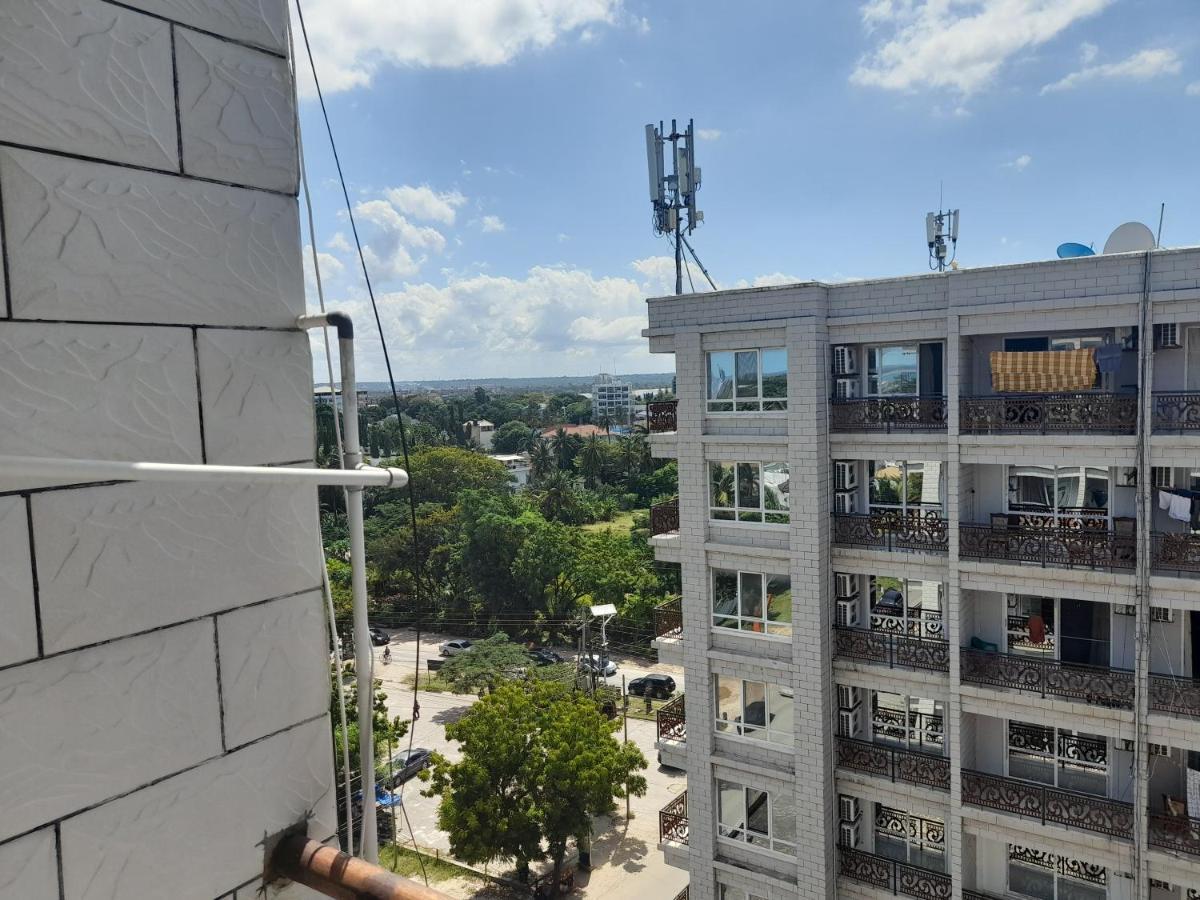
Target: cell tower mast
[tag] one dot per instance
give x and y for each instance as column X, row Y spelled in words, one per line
column 671, row 195
column 939, row 227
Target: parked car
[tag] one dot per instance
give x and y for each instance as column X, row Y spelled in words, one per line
column 543, row 657
column 653, row 685
column 404, row 765
column 379, row 637
column 593, row 663
column 453, row 648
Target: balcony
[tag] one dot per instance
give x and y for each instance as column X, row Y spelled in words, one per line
column 683, row 895
column 1061, row 413
column 1177, row 553
column 914, row 532
column 902, row 879
column 1175, row 696
column 671, row 721
column 1174, row 412
column 660, row 416
column 668, row 619
column 1059, row 546
column 673, row 821
column 1045, row 804
column 891, row 650
column 664, row 517
column 1180, row 834
column 1094, row 685
column 894, row 763
column 888, row 415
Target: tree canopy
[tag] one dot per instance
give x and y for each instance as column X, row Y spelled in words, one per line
column 484, row 665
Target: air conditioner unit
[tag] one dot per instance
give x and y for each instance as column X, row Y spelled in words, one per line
column 848, row 835
column 845, row 361
column 845, row 585
column 848, row 722
column 845, row 474
column 1166, row 337
column 848, row 810
column 845, row 389
column 1162, row 476
column 845, row 503
column 847, row 614
column 848, row 696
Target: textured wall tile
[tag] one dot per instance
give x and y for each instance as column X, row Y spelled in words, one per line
column 114, row 560
column 110, row 244
column 261, row 22
column 257, row 393
column 98, row 392
column 18, row 622
column 86, row 77
column 203, row 828
column 86, row 726
column 237, row 113
column 29, row 867
column 274, row 666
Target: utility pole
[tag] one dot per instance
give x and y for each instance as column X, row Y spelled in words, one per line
column 625, row 723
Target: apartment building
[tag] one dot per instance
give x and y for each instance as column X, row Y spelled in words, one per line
column 941, row 584
column 612, row 399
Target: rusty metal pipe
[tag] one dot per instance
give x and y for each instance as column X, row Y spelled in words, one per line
column 333, row 873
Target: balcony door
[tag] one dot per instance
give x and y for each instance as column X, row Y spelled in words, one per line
column 1192, row 359
column 1059, row 496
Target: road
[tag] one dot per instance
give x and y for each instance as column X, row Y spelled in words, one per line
column 625, row 858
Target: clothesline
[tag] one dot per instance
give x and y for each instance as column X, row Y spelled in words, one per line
column 1180, row 504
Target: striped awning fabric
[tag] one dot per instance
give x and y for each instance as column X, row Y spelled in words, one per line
column 1043, row 372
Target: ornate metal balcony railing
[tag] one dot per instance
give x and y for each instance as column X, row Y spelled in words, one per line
column 1068, row 548
column 661, row 416
column 664, row 517
column 1175, row 552
column 922, row 531
column 683, row 895
column 1048, row 804
column 888, row 414
column 671, row 720
column 1067, row 413
column 668, row 618
column 969, row 894
column 892, row 650
column 1095, row 685
column 892, row 875
column 1176, row 696
column 1178, row 833
column 673, row 821
column 894, row 763
column 1177, row 411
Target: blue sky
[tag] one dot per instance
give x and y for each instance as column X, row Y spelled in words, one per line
column 496, row 156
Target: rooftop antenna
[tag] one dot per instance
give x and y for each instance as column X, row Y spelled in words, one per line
column 672, row 195
column 941, row 226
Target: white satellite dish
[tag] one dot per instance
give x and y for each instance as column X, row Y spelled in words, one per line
column 1129, row 238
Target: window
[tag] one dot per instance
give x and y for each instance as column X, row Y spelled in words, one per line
column 910, row 722
column 756, row 817
column 892, row 371
column 907, row 606
column 752, row 601
column 1022, row 637
column 909, row 838
column 1072, row 760
column 749, row 492
column 1034, row 873
column 753, row 709
column 732, row 893
column 1059, row 496
column 905, row 485
column 747, row 380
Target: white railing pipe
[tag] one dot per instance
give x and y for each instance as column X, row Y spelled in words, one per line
column 89, row 470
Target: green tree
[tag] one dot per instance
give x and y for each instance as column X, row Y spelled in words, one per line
column 538, row 764
column 591, row 461
column 487, row 663
column 541, row 459
column 512, row 437
column 557, row 498
column 441, row 474
column 545, row 566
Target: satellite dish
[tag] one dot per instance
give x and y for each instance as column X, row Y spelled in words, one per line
column 1129, row 238
column 1071, row 250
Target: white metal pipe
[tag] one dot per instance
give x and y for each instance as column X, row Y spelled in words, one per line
column 112, row 470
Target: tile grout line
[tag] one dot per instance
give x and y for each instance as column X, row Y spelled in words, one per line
column 58, row 853
column 220, row 686
column 175, row 86
column 212, row 34
column 199, row 396
column 4, row 267
column 33, row 572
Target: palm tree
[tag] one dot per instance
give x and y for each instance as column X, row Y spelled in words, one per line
column 557, row 495
column 632, row 452
column 541, row 459
column 591, row 461
column 561, row 444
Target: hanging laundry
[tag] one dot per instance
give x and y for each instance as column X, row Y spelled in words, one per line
column 1180, row 509
column 1108, row 358
column 1164, row 500
column 1041, row 371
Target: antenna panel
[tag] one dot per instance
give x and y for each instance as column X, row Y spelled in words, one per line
column 654, row 164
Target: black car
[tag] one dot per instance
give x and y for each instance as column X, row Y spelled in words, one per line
column 379, row 637
column 652, row 686
column 404, row 765
column 544, row 657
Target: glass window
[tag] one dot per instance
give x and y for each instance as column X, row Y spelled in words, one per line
column 747, row 380
column 725, row 599
column 732, row 893
column 752, row 601
column 1044, row 876
column 892, row 371
column 755, row 817
column 1072, row 760
column 1028, row 639
column 908, row 607
column 753, row 709
column 905, row 485
column 749, row 492
column 913, row 722
column 908, row 838
column 1059, row 496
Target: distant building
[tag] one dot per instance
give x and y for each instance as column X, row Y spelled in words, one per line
column 517, row 465
column 583, row 431
column 481, row 432
column 611, row 399
column 325, row 395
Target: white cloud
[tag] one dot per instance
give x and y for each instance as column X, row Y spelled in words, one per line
column 1142, row 66
column 424, row 202
column 1020, row 163
column 383, row 214
column 708, row 134
column 1088, row 52
column 491, row 224
column 339, row 242
column 957, row 44
column 352, row 39
column 1193, row 89
column 397, row 248
column 331, row 267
